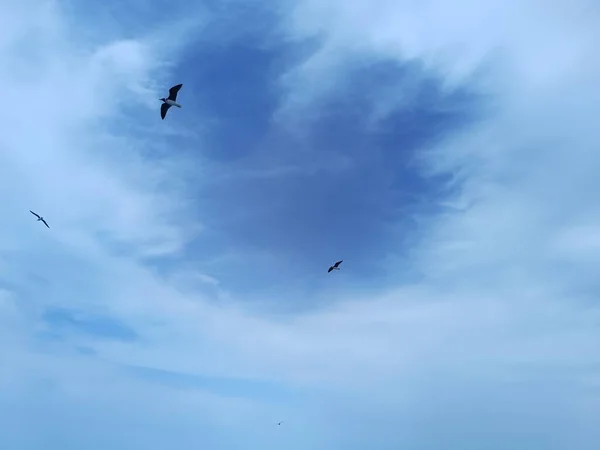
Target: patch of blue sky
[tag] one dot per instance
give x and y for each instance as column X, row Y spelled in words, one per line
column 64, row 321
column 344, row 189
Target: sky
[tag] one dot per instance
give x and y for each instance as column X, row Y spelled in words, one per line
column 448, row 152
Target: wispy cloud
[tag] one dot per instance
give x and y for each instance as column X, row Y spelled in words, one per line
column 61, row 321
column 452, row 165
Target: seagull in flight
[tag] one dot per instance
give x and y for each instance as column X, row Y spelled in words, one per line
column 170, row 101
column 336, row 266
column 39, row 218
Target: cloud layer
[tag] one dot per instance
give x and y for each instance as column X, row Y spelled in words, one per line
column 447, row 154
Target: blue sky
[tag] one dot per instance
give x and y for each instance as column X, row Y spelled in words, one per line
column 181, row 298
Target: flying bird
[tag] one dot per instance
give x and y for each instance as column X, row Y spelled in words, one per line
column 280, row 423
column 336, row 266
column 39, row 218
column 170, row 101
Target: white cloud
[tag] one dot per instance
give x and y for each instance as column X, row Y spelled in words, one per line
column 509, row 282
column 60, row 159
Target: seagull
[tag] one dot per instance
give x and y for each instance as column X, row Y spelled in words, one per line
column 336, row 266
column 170, row 101
column 39, row 218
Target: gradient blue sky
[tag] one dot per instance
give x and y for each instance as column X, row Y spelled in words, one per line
column 448, row 152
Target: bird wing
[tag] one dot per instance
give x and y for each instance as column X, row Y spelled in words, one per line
column 173, row 92
column 45, row 223
column 163, row 110
column 34, row 214
column 338, row 263
column 330, row 269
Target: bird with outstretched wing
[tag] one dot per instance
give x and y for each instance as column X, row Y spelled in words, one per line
column 39, row 218
column 171, row 100
column 336, row 266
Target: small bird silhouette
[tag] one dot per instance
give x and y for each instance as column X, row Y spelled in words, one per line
column 280, row 423
column 170, row 100
column 336, row 266
column 39, row 218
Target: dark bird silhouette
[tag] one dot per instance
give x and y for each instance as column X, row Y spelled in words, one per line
column 39, row 218
column 280, row 423
column 336, row 266
column 170, row 101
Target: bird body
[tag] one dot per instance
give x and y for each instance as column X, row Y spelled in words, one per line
column 336, row 266
column 171, row 100
column 172, row 103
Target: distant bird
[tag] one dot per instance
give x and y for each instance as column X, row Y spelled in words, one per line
column 39, row 218
column 170, row 101
column 336, row 266
column 280, row 423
